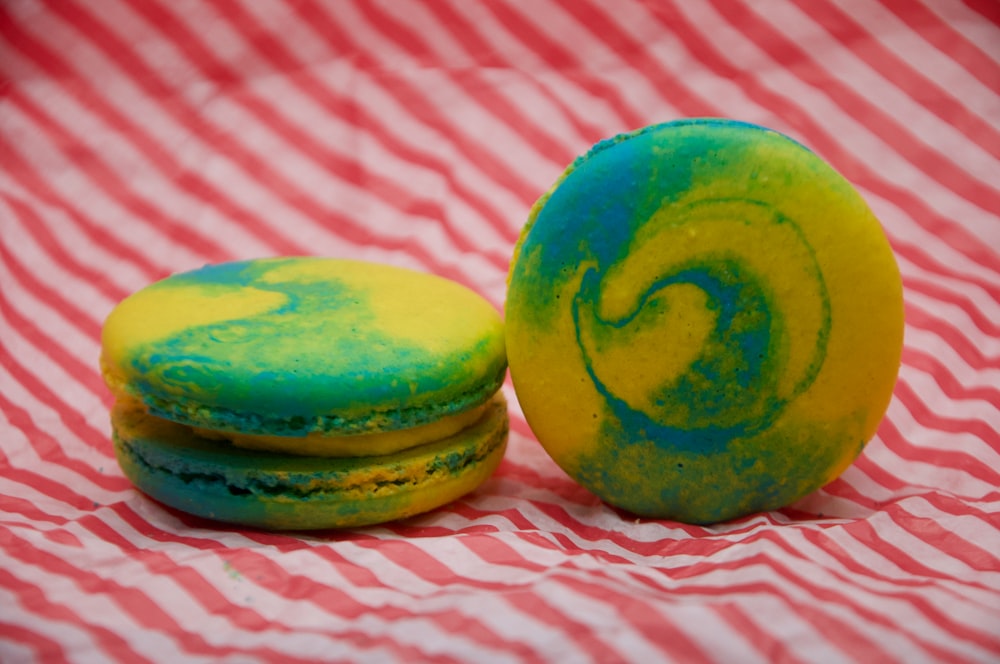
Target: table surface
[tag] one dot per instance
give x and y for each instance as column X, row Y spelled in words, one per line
column 138, row 139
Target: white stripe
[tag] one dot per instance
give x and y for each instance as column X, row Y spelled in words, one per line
column 637, row 91
column 931, row 343
column 73, row 396
column 85, row 301
column 96, row 607
column 855, row 138
column 968, row 527
column 79, row 192
column 892, row 600
column 505, row 146
column 120, row 271
column 977, row 451
column 921, row 474
column 839, row 63
column 930, row 556
column 311, row 627
column 348, row 140
column 21, row 454
column 903, row 228
column 969, row 24
column 987, row 344
column 515, row 86
column 499, row 616
column 162, row 192
column 338, row 76
column 76, row 641
column 975, row 296
column 933, row 398
column 921, row 55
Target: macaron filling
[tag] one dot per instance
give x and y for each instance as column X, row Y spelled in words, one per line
column 351, row 445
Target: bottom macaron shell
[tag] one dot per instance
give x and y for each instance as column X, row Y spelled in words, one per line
column 218, row 481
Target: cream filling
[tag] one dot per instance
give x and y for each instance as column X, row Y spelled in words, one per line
column 378, row 443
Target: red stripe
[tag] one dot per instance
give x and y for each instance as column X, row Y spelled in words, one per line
column 952, row 387
column 341, row 166
column 143, row 610
column 950, row 462
column 947, row 39
column 253, row 165
column 790, row 548
column 792, row 573
column 360, row 577
column 44, row 296
column 953, row 336
column 420, row 106
column 989, row 10
column 870, row 536
column 42, row 441
column 567, row 63
column 45, row 196
column 639, row 614
column 49, row 451
column 328, row 598
column 958, row 298
column 10, row 504
column 863, row 43
column 772, row 647
column 479, row 48
column 936, row 420
column 486, row 96
column 35, row 599
column 258, row 571
column 34, row 226
column 43, row 648
column 201, row 589
column 836, row 630
column 907, row 590
column 97, row 170
column 124, row 127
column 920, row 258
column 706, row 53
column 341, row 106
column 932, row 162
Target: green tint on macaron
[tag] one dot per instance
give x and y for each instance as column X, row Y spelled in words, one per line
column 305, row 357
column 200, row 476
column 703, row 320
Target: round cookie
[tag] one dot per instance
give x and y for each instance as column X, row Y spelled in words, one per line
column 703, row 320
column 317, row 359
column 171, row 463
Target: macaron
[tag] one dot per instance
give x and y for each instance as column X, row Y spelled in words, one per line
column 704, row 320
column 306, row 393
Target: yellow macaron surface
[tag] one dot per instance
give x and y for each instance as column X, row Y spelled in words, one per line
column 301, row 346
column 703, row 320
column 305, row 393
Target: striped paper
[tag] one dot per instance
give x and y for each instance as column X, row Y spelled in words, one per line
column 142, row 138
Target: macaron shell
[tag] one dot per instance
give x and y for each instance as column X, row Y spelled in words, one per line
column 215, row 480
column 289, row 346
column 703, row 320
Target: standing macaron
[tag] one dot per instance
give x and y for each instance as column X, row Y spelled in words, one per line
column 704, row 320
column 296, row 393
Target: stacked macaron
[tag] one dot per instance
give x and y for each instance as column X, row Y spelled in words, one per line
column 704, row 320
column 298, row 393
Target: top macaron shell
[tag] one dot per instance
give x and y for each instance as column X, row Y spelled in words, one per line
column 703, row 320
column 292, row 346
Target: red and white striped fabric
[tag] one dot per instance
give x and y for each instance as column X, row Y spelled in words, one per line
column 143, row 138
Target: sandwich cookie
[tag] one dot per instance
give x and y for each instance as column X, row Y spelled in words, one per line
column 303, row 393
